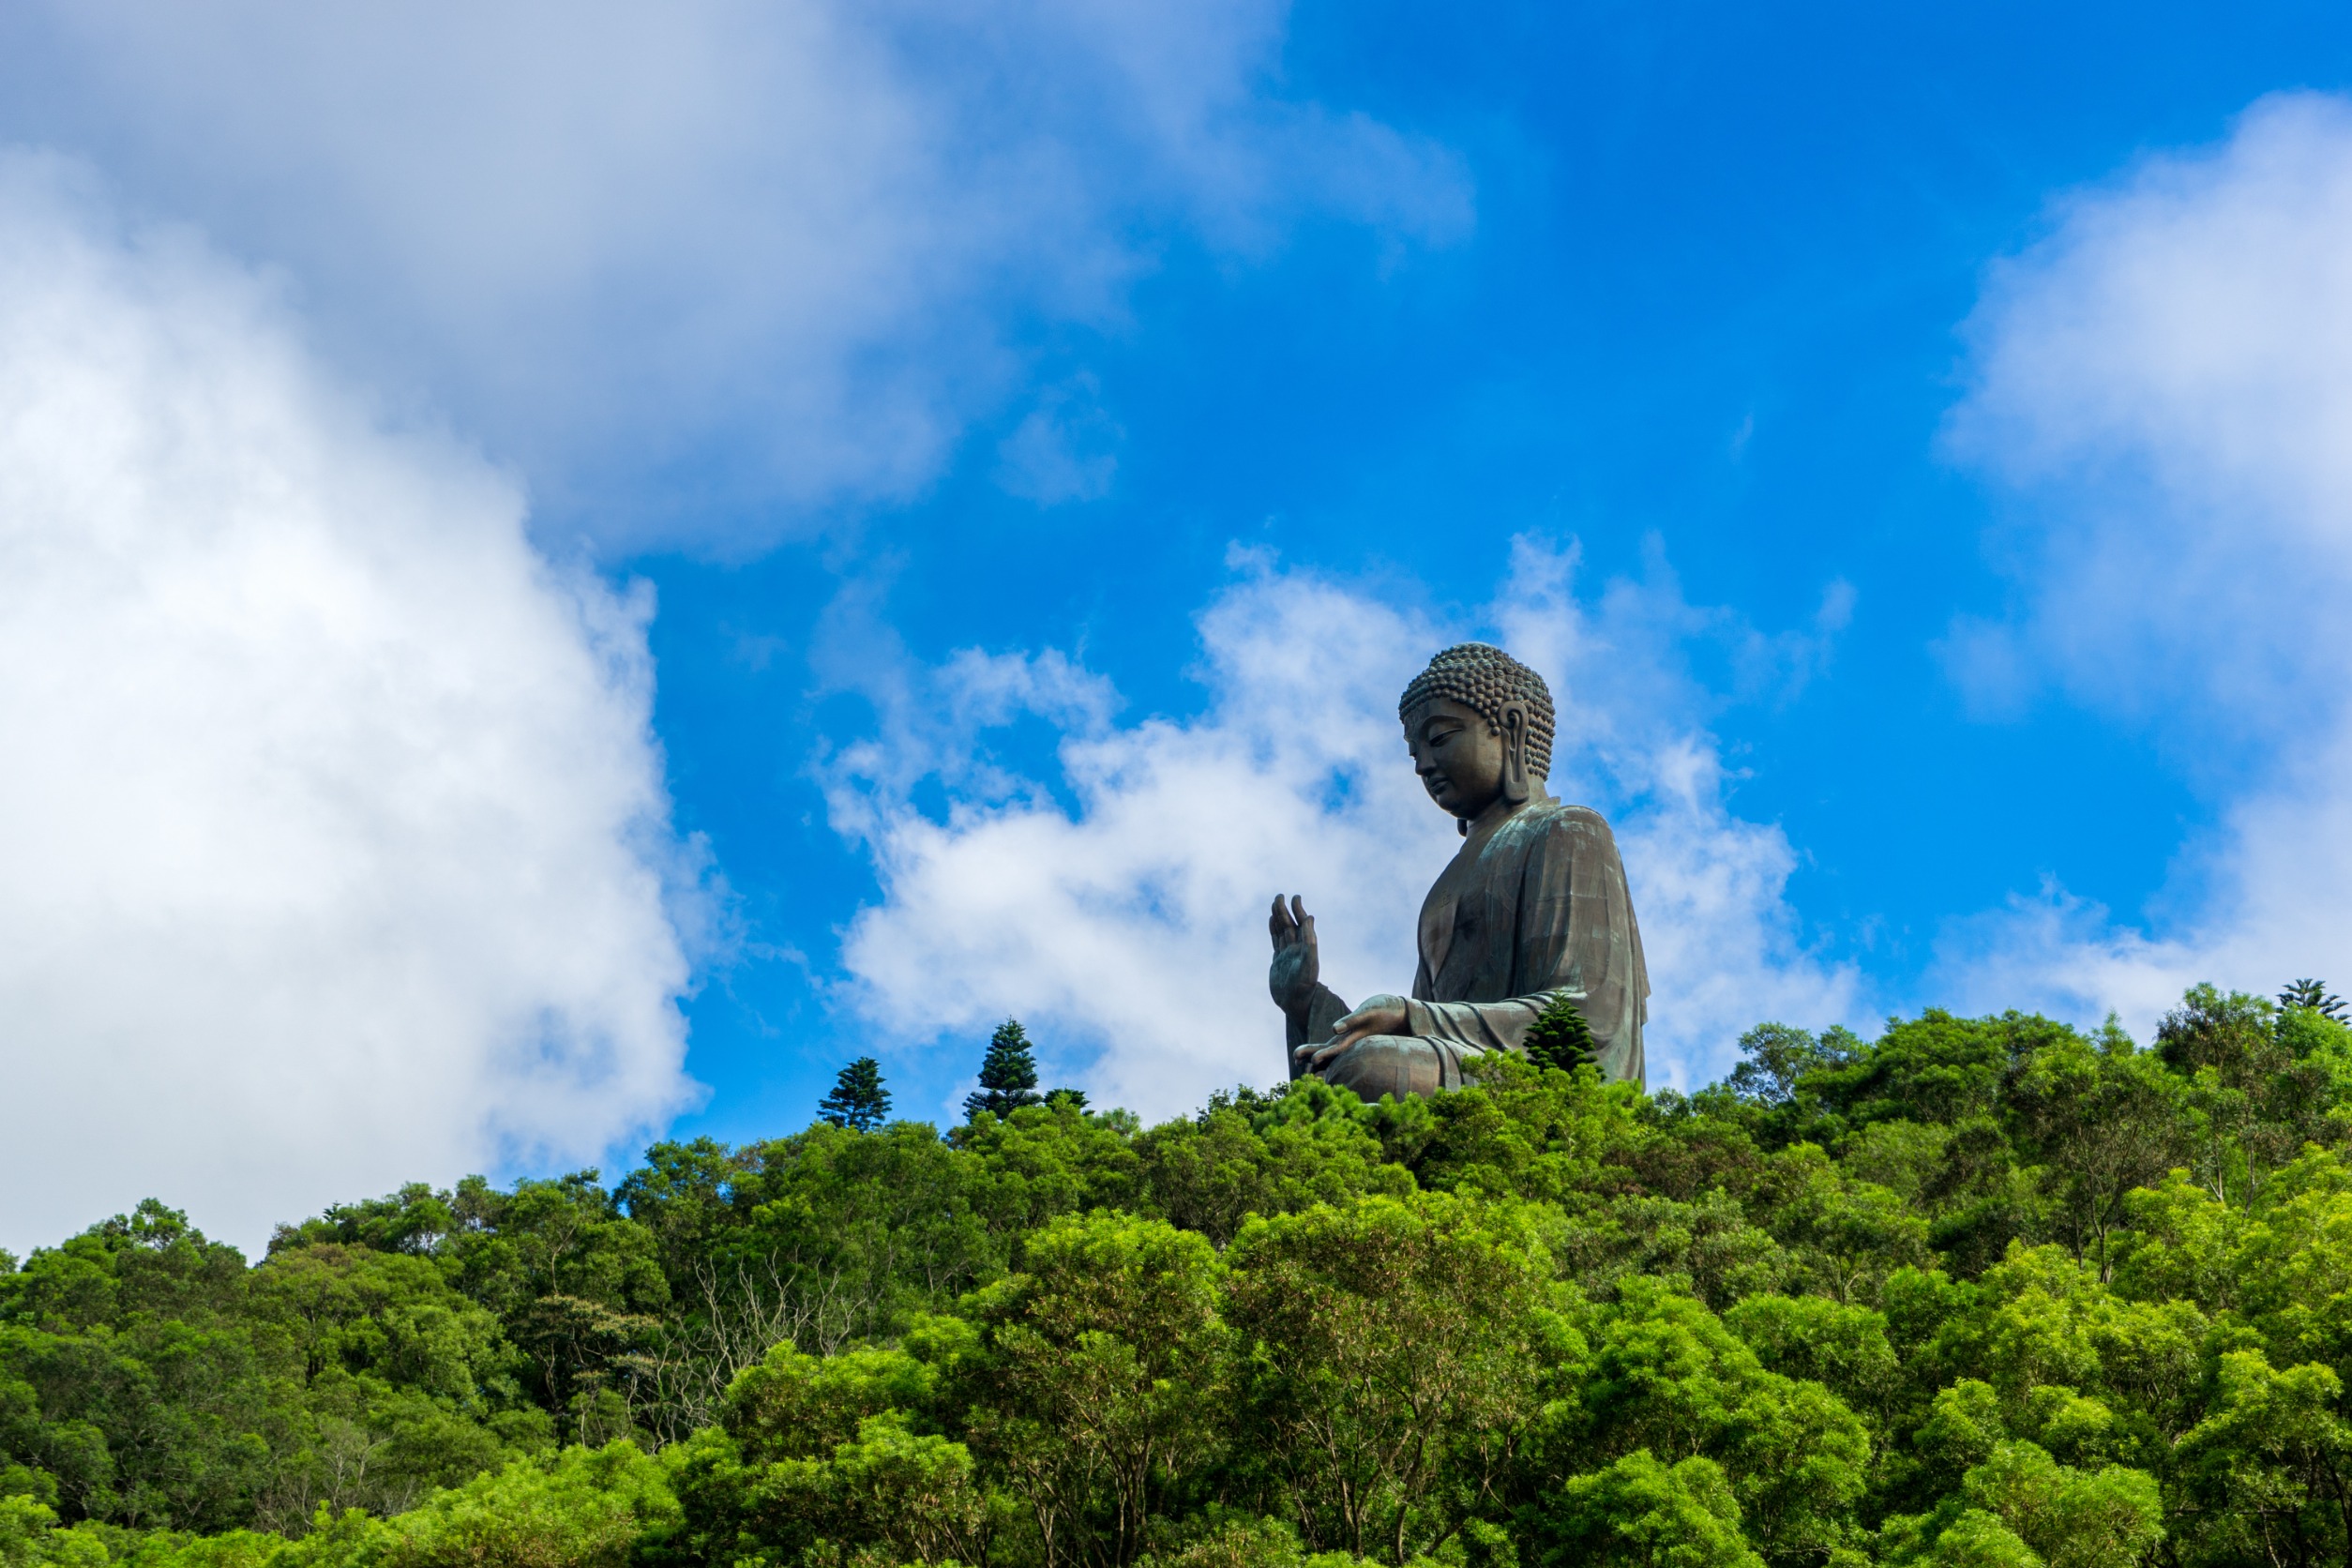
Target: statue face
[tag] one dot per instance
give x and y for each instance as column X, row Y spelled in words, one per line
column 1458, row 754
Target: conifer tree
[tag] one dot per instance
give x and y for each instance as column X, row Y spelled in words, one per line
column 1008, row 1074
column 1560, row 1038
column 858, row 1099
column 2316, row 996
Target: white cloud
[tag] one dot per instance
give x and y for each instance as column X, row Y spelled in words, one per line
column 670, row 257
column 2168, row 379
column 335, row 836
column 1119, row 907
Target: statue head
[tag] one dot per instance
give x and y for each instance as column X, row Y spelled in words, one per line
column 1479, row 724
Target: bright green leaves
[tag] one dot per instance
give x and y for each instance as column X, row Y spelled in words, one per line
column 2088, row 1518
column 1392, row 1347
column 1843, row 1347
column 1666, row 1377
column 585, row 1508
column 1102, row 1372
column 796, row 1406
column 2019, row 1508
column 912, row 1494
column 888, row 1487
column 1211, row 1174
column 362, row 1312
column 2274, row 1458
column 1640, row 1513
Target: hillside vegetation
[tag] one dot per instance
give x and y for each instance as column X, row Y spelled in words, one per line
column 1983, row 1291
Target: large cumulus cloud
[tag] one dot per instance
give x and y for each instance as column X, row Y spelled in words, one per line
column 335, row 840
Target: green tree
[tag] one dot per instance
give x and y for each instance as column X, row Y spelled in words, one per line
column 1560, row 1038
column 820, row 1240
column 2104, row 1518
column 1211, row 1172
column 129, row 1378
column 1639, row 1513
column 858, row 1099
column 1775, row 1057
column 1391, row 1343
column 584, row 1508
column 1981, row 1291
column 1008, row 1074
column 2270, row 1469
column 2313, row 997
column 1667, row 1375
column 2254, row 1104
column 2101, row 1119
column 1842, row 1347
column 1099, row 1382
column 576, row 1283
column 822, row 1458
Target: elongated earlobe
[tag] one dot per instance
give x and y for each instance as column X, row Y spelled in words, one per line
column 1515, row 780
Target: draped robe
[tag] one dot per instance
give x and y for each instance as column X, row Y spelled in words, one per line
column 1532, row 909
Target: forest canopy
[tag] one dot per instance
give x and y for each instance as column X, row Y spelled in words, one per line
column 1986, row 1292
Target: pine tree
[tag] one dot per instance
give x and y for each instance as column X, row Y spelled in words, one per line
column 1008, row 1074
column 858, row 1099
column 2314, row 995
column 1560, row 1038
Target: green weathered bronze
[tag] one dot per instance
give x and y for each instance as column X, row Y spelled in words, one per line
column 1533, row 907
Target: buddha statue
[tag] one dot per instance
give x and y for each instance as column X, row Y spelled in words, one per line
column 1533, row 908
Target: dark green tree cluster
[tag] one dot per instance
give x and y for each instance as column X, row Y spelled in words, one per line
column 1985, row 1291
column 1008, row 1074
column 858, row 1099
column 1560, row 1038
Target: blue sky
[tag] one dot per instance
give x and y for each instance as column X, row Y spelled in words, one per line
column 1708, row 310
column 795, row 466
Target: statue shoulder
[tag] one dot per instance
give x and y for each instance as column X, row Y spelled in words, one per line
column 1559, row 818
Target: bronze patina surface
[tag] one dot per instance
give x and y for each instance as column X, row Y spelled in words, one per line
column 1534, row 906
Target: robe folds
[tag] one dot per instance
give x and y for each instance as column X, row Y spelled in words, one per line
column 1540, row 911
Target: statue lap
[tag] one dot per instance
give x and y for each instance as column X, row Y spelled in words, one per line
column 1379, row 1065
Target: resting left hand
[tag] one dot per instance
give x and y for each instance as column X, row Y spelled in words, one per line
column 1379, row 1014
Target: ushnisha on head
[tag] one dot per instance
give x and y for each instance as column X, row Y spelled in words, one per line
column 1479, row 724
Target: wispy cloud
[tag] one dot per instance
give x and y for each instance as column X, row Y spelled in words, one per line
column 672, row 257
column 2166, row 380
column 1066, row 450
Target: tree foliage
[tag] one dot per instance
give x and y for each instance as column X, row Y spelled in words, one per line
column 858, row 1099
column 1008, row 1074
column 2314, row 996
column 1988, row 1291
column 1560, row 1038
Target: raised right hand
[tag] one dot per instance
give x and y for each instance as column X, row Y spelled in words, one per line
column 1297, row 965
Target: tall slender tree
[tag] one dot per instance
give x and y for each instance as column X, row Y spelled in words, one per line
column 1008, row 1074
column 858, row 1099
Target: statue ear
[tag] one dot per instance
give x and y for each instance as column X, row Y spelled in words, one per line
column 1514, row 779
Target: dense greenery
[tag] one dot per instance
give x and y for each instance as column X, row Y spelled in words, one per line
column 1983, row 1291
